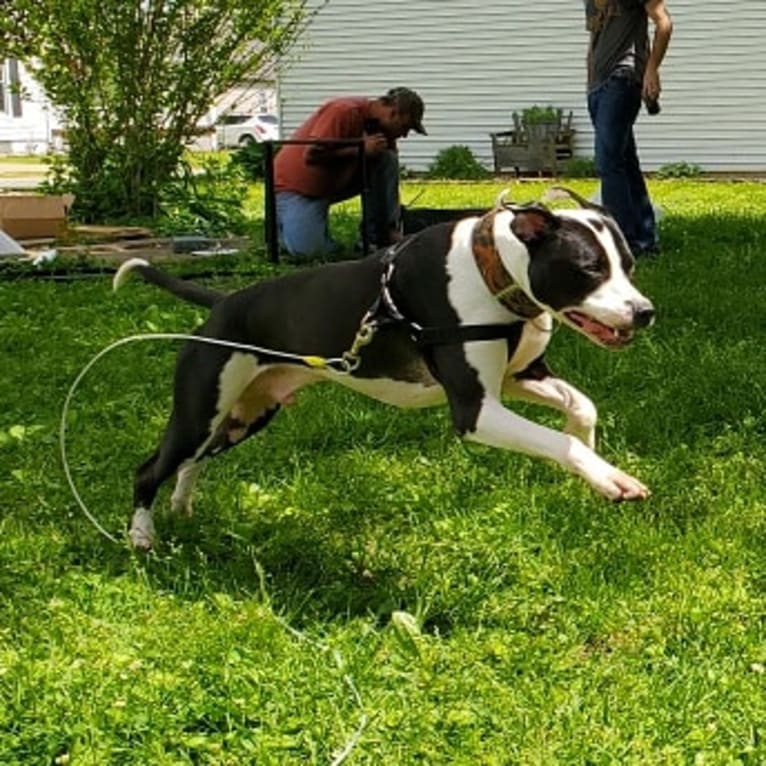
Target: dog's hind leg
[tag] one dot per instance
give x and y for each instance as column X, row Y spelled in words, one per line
column 174, row 456
column 206, row 421
column 536, row 384
column 197, row 405
column 231, row 432
column 176, row 448
column 181, row 499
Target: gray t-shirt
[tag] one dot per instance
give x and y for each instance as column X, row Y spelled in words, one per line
column 619, row 39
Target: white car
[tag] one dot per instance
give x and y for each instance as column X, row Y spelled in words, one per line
column 235, row 130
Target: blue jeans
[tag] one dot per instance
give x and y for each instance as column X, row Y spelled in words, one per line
column 303, row 226
column 303, row 222
column 613, row 108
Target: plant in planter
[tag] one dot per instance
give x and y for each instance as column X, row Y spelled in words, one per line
column 540, row 122
column 536, row 115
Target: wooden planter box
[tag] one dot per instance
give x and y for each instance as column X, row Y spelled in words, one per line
column 536, row 148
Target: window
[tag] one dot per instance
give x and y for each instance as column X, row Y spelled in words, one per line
column 233, row 119
column 3, row 86
column 10, row 91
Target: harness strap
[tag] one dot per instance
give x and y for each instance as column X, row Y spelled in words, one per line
column 444, row 336
column 384, row 311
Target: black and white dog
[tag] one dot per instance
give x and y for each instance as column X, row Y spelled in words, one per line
column 460, row 312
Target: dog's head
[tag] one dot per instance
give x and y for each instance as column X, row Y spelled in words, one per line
column 577, row 265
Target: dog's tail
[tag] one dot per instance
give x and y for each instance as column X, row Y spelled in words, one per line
column 188, row 291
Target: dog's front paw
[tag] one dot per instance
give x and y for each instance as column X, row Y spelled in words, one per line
column 623, row 486
column 609, row 481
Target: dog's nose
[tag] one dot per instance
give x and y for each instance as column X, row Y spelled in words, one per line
column 643, row 314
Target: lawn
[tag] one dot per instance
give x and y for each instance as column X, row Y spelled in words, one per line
column 357, row 585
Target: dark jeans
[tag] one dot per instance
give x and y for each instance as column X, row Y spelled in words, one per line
column 383, row 213
column 613, row 108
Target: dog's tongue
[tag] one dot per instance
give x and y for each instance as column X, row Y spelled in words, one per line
column 593, row 327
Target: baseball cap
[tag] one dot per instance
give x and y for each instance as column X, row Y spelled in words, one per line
column 408, row 102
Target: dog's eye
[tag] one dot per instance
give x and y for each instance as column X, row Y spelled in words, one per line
column 593, row 268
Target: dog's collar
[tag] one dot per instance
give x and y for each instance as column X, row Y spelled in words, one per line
column 499, row 282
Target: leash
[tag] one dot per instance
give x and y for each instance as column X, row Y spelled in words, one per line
column 338, row 364
column 345, row 751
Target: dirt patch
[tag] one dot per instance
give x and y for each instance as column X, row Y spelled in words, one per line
column 115, row 244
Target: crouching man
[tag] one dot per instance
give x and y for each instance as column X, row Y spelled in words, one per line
column 310, row 178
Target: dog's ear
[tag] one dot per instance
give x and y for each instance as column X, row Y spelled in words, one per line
column 530, row 224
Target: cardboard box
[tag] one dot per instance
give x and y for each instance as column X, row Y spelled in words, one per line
column 27, row 216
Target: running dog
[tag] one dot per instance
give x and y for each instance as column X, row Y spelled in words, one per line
column 460, row 313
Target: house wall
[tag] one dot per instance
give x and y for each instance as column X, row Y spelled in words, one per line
column 30, row 131
column 475, row 63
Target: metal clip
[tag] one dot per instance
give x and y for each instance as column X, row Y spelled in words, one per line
column 365, row 334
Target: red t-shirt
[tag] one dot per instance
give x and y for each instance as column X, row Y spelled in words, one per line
column 338, row 118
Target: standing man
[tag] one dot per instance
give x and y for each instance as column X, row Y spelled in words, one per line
column 623, row 70
column 310, row 178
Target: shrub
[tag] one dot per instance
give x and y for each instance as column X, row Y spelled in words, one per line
column 249, row 157
column 457, row 162
column 679, row 170
column 580, row 167
column 207, row 203
column 133, row 79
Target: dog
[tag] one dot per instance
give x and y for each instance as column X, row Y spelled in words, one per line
column 460, row 313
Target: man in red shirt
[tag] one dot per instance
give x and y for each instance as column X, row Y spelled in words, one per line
column 310, row 178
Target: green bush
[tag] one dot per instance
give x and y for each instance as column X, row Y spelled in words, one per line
column 249, row 157
column 457, row 162
column 679, row 170
column 133, row 80
column 208, row 203
column 580, row 167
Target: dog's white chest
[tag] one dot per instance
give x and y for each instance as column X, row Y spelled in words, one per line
column 534, row 340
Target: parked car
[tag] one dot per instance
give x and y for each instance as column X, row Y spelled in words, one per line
column 235, row 130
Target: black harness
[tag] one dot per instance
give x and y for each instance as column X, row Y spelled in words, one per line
column 384, row 312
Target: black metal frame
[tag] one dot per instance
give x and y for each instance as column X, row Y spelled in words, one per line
column 270, row 200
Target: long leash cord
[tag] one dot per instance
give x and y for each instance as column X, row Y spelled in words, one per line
column 339, row 364
column 312, row 361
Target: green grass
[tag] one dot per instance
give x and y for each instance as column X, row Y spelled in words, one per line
column 549, row 626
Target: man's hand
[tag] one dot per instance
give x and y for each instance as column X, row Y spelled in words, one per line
column 374, row 144
column 651, row 88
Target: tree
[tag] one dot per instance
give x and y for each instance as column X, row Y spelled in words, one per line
column 132, row 78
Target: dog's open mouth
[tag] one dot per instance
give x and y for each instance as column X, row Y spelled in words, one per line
column 599, row 332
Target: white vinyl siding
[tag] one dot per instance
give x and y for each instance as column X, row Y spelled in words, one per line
column 26, row 119
column 475, row 63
